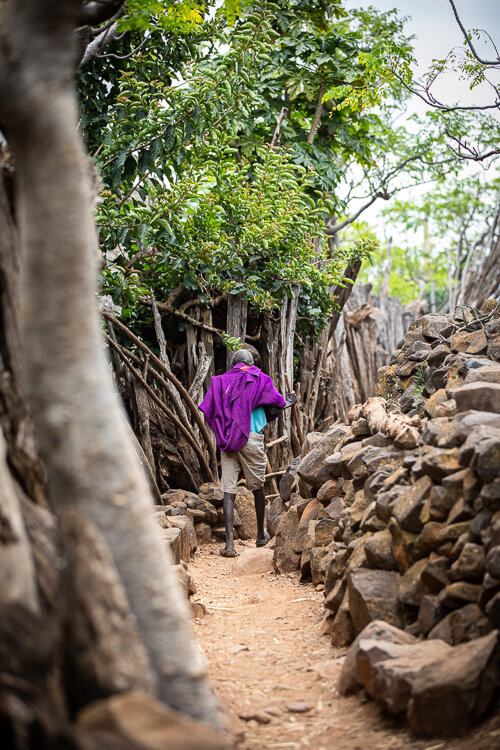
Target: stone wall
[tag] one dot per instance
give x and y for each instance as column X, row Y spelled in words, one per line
column 395, row 514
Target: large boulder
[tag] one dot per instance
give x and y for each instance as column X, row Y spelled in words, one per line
column 253, row 561
column 374, row 595
column 244, row 505
column 449, row 695
column 462, row 624
column 478, row 396
column 378, row 630
column 312, row 467
column 286, row 560
column 287, row 480
column 387, row 670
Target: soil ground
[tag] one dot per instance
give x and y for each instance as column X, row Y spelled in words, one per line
column 261, row 639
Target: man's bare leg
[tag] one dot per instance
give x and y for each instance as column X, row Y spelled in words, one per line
column 260, row 508
column 228, row 505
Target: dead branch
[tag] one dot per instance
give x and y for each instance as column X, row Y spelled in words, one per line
column 168, row 412
column 170, row 376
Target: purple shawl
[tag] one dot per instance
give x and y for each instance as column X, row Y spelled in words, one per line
column 230, row 401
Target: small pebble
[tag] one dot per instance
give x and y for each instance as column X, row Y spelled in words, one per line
column 273, row 710
column 299, row 708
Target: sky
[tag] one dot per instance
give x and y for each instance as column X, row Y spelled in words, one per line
column 436, row 32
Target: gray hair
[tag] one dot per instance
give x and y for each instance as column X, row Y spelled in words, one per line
column 242, row 356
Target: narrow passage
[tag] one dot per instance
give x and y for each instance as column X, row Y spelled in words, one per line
column 261, row 639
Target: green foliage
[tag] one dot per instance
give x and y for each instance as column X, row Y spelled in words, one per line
column 442, row 230
column 419, row 382
column 171, row 15
column 383, row 57
column 232, row 343
column 193, row 194
column 180, row 128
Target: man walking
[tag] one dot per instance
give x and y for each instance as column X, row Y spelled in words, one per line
column 237, row 407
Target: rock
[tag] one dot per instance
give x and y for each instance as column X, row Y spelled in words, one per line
column 219, row 532
column 442, row 432
column 378, row 551
column 360, row 427
column 435, row 378
column 418, row 351
column 462, row 624
column 309, row 514
column 457, row 594
column 493, row 562
column 333, row 464
column 493, row 610
column 323, row 532
column 172, row 537
column 286, row 560
column 487, row 459
column 439, row 405
column 140, row 720
column 461, row 511
column 312, row 466
column 440, row 502
column 478, row 396
column 435, row 574
column 276, row 511
column 261, row 717
column 208, row 509
column 388, row 670
column 211, row 492
column 198, row 610
column 377, row 441
column 450, row 695
column 328, row 491
column 408, row 507
column 378, row 630
column 438, row 355
column 245, row 507
column 299, row 707
column 358, row 508
column 185, row 579
column 435, row 326
column 189, row 541
column 431, row 611
column 253, row 561
column 317, row 563
column 439, row 462
column 287, row 480
column 470, row 565
column 370, row 520
column 336, row 595
column 470, row 342
column 373, row 595
column 411, row 588
column 488, row 374
column 333, row 510
column 311, row 440
column 336, row 567
column 171, row 496
column 342, row 626
column 403, row 545
column 203, row 533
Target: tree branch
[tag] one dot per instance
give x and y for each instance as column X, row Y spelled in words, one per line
column 317, row 114
column 469, row 43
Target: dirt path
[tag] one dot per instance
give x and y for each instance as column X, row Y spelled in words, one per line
column 261, row 638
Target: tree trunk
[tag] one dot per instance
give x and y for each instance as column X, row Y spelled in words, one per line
column 81, row 428
column 236, row 321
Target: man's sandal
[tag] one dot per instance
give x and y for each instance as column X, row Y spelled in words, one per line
column 228, row 552
column 263, row 542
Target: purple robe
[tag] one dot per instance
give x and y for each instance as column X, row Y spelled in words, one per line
column 230, row 401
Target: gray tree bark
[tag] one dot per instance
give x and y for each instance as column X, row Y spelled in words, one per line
column 82, row 432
